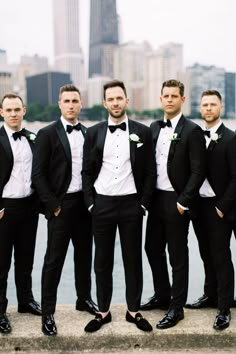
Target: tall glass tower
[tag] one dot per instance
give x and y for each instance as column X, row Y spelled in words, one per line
column 67, row 51
column 103, row 37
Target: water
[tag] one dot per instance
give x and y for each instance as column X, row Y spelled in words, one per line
column 66, row 290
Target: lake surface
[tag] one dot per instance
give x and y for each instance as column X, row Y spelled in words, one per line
column 66, row 290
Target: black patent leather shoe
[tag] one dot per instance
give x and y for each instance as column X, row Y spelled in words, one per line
column 32, row 307
column 140, row 322
column 49, row 327
column 155, row 303
column 86, row 305
column 222, row 320
column 203, row 302
column 97, row 322
column 5, row 326
column 171, row 318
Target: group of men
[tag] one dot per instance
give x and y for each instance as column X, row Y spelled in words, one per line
column 91, row 182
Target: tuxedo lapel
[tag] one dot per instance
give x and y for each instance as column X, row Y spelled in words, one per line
column 133, row 129
column 101, row 137
column 6, row 144
column 83, row 130
column 156, row 132
column 177, row 131
column 64, row 140
column 220, row 132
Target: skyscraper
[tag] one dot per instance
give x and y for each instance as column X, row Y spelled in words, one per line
column 103, row 37
column 67, row 51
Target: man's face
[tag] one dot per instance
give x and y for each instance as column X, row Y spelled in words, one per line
column 116, row 103
column 13, row 112
column 70, row 105
column 171, row 101
column 210, row 109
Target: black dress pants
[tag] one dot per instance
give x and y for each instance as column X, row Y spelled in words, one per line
column 126, row 214
column 18, row 229
column 214, row 234
column 73, row 223
column 166, row 227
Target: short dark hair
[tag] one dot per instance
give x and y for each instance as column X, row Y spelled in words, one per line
column 174, row 83
column 114, row 83
column 212, row 93
column 68, row 88
column 10, row 96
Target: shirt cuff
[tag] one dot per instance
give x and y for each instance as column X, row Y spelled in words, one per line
column 181, row 206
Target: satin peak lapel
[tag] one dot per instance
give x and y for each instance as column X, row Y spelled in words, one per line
column 64, row 140
column 213, row 143
column 133, row 146
column 177, row 131
column 6, row 144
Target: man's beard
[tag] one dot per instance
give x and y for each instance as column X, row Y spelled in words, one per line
column 117, row 116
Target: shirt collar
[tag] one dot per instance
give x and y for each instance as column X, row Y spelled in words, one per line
column 65, row 122
column 110, row 122
column 175, row 120
column 9, row 131
column 215, row 128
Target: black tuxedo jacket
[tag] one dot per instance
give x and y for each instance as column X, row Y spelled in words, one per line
column 221, row 170
column 52, row 165
column 186, row 165
column 142, row 160
column 6, row 159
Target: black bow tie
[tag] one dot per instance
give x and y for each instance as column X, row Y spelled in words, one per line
column 114, row 127
column 165, row 124
column 207, row 133
column 19, row 134
column 69, row 128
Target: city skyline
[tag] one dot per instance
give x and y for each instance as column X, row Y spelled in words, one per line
column 206, row 31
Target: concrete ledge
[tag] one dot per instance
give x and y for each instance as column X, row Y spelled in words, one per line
column 194, row 332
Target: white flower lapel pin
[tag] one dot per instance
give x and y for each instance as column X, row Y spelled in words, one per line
column 215, row 137
column 174, row 137
column 134, row 138
column 31, row 137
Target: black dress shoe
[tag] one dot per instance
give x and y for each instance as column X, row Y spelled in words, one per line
column 5, row 326
column 32, row 307
column 86, row 305
column 97, row 322
column 49, row 327
column 171, row 318
column 222, row 320
column 155, row 303
column 203, row 302
column 140, row 322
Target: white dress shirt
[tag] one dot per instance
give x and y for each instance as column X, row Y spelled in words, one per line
column 162, row 152
column 76, row 141
column 19, row 183
column 206, row 189
column 116, row 177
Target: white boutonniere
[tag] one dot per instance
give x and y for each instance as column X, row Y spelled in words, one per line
column 215, row 137
column 135, row 139
column 174, row 137
column 31, row 137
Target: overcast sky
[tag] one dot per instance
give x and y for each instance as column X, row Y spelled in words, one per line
column 206, row 28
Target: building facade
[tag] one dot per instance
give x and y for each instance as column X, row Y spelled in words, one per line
column 103, row 37
column 67, row 52
column 44, row 88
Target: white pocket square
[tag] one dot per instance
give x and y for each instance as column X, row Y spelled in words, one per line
column 139, row 145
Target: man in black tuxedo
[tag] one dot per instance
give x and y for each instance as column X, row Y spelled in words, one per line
column 119, row 176
column 19, row 208
column 56, row 174
column 216, row 211
column 180, row 159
